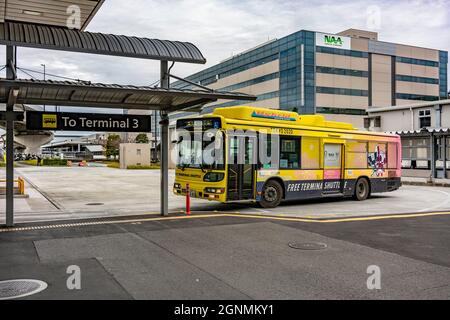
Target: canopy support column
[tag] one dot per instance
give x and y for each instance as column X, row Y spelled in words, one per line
column 10, row 75
column 165, row 83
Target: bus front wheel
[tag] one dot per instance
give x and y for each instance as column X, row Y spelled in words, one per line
column 362, row 189
column 271, row 195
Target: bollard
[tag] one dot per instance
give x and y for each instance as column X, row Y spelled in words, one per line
column 188, row 200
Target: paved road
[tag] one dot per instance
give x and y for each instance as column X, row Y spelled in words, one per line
column 234, row 257
column 98, row 192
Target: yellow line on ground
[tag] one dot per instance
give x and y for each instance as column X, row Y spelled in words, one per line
column 369, row 218
column 224, row 214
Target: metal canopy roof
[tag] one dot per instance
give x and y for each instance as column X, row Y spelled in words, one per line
column 423, row 131
column 65, row 93
column 49, row 12
column 61, row 38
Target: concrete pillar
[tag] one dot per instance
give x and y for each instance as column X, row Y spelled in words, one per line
column 444, row 156
column 433, row 157
column 33, row 142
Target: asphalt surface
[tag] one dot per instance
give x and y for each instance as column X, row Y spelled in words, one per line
column 233, row 257
column 62, row 193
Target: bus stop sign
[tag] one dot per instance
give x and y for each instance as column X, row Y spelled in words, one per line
column 55, row 121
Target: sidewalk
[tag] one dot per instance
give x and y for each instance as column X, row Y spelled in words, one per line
column 414, row 181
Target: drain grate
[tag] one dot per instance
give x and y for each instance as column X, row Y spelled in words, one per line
column 308, row 245
column 95, row 204
column 13, row 289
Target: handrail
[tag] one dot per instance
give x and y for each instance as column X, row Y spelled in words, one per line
column 20, row 185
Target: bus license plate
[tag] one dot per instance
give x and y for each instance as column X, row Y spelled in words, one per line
column 192, row 193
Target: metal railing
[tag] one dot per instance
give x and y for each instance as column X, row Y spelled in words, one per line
column 20, row 189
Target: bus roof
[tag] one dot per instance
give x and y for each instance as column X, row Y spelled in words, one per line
column 287, row 118
column 279, row 117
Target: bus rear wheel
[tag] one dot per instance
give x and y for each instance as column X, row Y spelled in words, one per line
column 271, row 195
column 362, row 189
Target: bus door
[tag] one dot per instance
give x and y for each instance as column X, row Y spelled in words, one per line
column 333, row 167
column 242, row 157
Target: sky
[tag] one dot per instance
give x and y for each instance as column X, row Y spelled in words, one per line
column 222, row 28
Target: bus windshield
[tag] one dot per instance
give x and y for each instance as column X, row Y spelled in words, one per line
column 200, row 144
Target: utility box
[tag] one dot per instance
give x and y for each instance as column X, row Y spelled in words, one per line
column 134, row 154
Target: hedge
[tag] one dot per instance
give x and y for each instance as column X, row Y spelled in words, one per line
column 152, row 167
column 54, row 162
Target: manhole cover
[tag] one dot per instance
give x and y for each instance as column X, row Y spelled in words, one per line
column 13, row 289
column 95, row 204
column 308, row 245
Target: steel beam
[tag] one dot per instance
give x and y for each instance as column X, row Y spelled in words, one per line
column 11, row 75
column 164, row 123
column 433, row 156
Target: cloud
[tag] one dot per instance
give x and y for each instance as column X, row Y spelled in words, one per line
column 221, row 28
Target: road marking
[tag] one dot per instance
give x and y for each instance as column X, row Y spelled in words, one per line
column 438, row 205
column 337, row 220
column 216, row 215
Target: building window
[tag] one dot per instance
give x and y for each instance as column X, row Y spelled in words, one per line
column 419, row 62
column 343, row 91
column 410, row 96
column 416, row 153
column 356, row 155
column 289, row 153
column 342, row 52
column 342, row 72
column 425, row 118
column 400, row 77
column 138, row 152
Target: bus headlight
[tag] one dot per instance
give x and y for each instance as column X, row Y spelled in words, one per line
column 215, row 190
column 177, row 186
column 213, row 177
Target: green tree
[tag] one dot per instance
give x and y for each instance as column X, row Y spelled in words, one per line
column 112, row 145
column 142, row 138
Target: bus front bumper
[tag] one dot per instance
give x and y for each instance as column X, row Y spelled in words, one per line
column 200, row 191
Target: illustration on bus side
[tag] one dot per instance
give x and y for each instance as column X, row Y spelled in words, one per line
column 377, row 161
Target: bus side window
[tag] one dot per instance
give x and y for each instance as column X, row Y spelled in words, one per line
column 289, row 153
column 310, row 153
column 356, row 155
column 392, row 155
column 268, row 151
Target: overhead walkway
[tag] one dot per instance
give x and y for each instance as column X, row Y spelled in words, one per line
column 28, row 141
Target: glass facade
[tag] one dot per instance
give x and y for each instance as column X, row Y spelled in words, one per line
column 292, row 77
column 295, row 55
column 309, row 76
column 443, row 80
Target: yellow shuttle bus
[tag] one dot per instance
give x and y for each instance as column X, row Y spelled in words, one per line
column 269, row 156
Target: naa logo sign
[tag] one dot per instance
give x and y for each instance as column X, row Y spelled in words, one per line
column 332, row 40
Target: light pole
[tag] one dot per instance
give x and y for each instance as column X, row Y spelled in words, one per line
column 43, row 65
